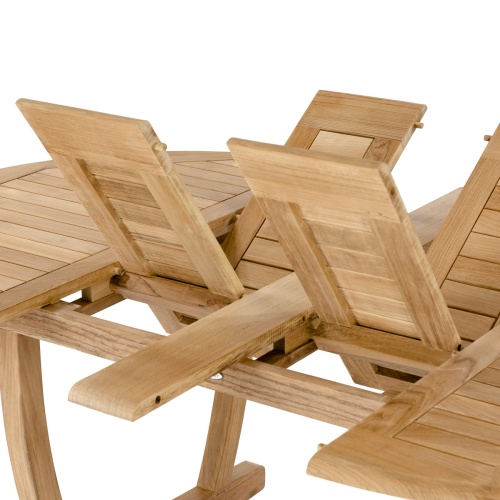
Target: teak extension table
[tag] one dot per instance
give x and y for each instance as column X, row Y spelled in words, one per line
column 251, row 260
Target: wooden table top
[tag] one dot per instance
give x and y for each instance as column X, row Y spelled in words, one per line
column 44, row 228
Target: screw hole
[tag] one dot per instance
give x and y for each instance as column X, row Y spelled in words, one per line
column 157, row 400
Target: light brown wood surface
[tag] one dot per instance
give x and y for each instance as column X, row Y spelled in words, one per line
column 107, row 158
column 173, row 365
column 222, row 442
column 162, row 213
column 27, row 212
column 446, row 419
column 247, row 480
column 315, row 275
column 381, row 348
column 464, row 255
column 10, row 173
column 350, row 125
column 76, row 323
column 290, row 184
column 24, row 417
column 47, row 250
column 324, row 400
column 357, row 126
column 195, row 235
column 41, row 221
column 245, row 230
column 306, row 395
column 454, row 451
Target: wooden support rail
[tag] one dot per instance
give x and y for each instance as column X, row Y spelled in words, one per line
column 385, row 349
column 151, row 377
column 295, row 392
column 191, row 300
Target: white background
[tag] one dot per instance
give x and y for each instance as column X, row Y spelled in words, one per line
column 202, row 72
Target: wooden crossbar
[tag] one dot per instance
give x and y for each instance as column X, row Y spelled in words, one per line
column 171, row 366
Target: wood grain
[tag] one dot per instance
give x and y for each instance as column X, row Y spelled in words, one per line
column 222, row 442
column 343, row 144
column 197, row 239
column 191, row 300
column 397, row 352
column 247, row 479
column 302, row 394
column 308, row 262
column 57, row 284
column 446, row 434
column 118, row 173
column 418, row 287
column 9, row 173
column 463, row 216
column 377, row 239
column 173, row 365
column 357, row 115
column 244, row 231
column 24, row 417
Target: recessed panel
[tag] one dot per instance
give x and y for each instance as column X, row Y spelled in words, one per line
column 342, row 144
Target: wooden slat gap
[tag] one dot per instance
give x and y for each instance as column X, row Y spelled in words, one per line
column 465, row 440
